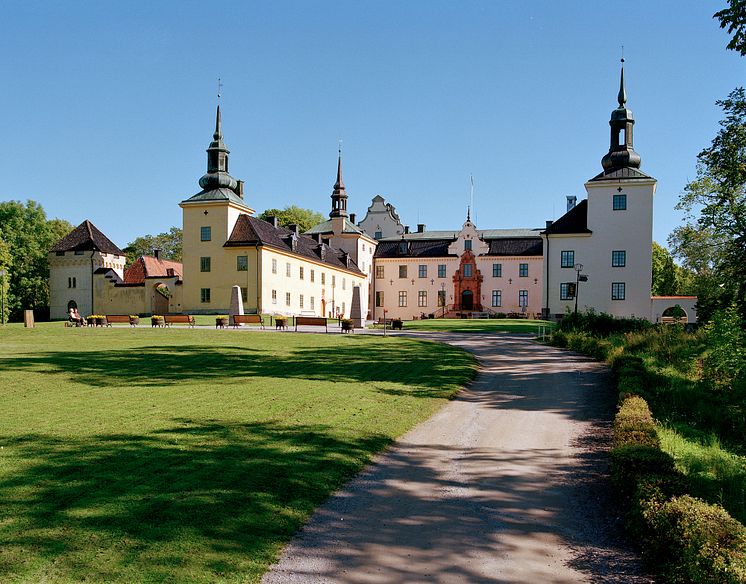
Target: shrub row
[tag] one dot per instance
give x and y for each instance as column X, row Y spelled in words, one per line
column 687, row 540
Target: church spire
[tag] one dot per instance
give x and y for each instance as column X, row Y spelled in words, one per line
column 217, row 162
column 621, row 153
column 339, row 194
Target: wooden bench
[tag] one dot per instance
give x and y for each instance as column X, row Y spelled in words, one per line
column 311, row 321
column 239, row 319
column 170, row 319
column 118, row 319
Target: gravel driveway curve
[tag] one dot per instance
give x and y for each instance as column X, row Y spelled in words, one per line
column 507, row 483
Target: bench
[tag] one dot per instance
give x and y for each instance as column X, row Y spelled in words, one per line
column 118, row 319
column 239, row 319
column 311, row 321
column 170, row 319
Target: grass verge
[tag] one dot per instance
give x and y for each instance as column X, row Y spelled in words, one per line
column 149, row 455
column 485, row 325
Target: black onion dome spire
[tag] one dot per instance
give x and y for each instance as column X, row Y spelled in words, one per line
column 339, row 194
column 217, row 162
column 621, row 154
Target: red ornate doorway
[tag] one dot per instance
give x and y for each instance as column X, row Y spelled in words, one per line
column 467, row 283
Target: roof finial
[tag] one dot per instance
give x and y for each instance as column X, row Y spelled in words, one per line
column 468, row 213
column 622, row 97
column 339, row 185
column 220, row 89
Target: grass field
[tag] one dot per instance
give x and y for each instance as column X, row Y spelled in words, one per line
column 485, row 325
column 151, row 455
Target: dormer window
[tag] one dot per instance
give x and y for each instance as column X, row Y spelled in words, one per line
column 467, row 244
column 403, row 247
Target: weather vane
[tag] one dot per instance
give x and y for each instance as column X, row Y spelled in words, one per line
column 220, row 89
column 339, row 147
column 622, row 53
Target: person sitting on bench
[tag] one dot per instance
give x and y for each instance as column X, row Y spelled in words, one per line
column 76, row 318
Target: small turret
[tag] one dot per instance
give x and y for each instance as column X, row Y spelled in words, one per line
column 621, row 154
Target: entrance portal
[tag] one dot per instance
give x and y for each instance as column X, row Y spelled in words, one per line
column 467, row 300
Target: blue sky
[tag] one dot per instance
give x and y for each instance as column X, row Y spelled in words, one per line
column 109, row 106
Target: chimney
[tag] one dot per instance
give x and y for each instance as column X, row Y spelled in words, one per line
column 571, row 201
column 272, row 220
column 549, row 224
column 420, row 228
column 346, row 259
column 352, row 218
column 321, row 250
column 406, row 229
column 317, row 237
column 294, row 228
column 157, row 254
column 239, row 189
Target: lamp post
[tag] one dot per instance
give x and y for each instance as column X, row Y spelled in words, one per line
column 578, row 278
column 2, row 296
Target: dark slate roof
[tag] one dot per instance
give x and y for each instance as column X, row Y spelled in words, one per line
column 251, row 231
column 516, row 247
column 220, row 194
column 626, row 173
column 574, row 221
column 326, row 227
column 87, row 237
column 424, row 249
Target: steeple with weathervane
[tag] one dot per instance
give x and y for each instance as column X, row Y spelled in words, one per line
column 621, row 154
column 339, row 194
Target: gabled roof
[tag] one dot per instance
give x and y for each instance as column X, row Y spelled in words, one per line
column 326, row 227
column 626, row 173
column 574, row 221
column 221, row 194
column 516, row 247
column 485, row 234
column 87, row 237
column 151, row 267
column 423, row 249
column 524, row 242
column 252, row 231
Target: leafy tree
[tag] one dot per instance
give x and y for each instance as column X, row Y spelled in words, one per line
column 665, row 272
column 715, row 234
column 734, row 19
column 169, row 243
column 5, row 263
column 304, row 218
column 27, row 236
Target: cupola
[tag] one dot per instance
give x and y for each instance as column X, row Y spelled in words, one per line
column 621, row 154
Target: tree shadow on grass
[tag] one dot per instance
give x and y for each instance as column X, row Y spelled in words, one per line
column 440, row 368
column 197, row 501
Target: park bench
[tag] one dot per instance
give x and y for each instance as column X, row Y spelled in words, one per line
column 239, row 319
column 118, row 319
column 170, row 319
column 311, row 321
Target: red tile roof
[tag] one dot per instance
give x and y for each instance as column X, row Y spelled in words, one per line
column 150, row 267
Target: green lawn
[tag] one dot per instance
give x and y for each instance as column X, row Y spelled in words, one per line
column 151, row 455
column 485, row 325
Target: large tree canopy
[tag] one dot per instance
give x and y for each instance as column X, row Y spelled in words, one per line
column 27, row 237
column 169, row 243
column 734, row 19
column 714, row 237
column 665, row 272
column 304, row 218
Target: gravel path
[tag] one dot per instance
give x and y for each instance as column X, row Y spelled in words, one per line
column 506, row 483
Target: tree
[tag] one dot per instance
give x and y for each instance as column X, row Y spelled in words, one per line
column 734, row 19
column 169, row 243
column 304, row 218
column 28, row 237
column 665, row 272
column 715, row 203
column 5, row 263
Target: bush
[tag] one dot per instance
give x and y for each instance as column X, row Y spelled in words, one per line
column 632, row 465
column 634, row 424
column 696, row 542
column 601, row 324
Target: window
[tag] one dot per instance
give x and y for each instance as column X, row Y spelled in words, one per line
column 300, row 301
column 244, row 294
column 497, row 298
column 422, row 271
column 205, row 233
column 59, row 253
column 523, row 270
column 78, row 252
column 312, row 302
column 72, row 282
column 204, row 294
column 378, row 235
column 204, row 264
column 617, row 290
column 344, row 284
column 300, row 272
column 274, row 296
column 567, row 291
column 379, row 299
column 379, row 272
column 363, row 247
column 523, row 298
column 422, row 298
column 402, row 298
column 323, row 279
column 468, row 270
column 242, row 263
column 441, row 270
column 619, row 203
column 313, row 275
column 287, row 269
column 567, row 259
column 467, row 244
column 274, row 266
column 618, row 258
column 402, row 247
column 287, row 298
column 497, row 270
column 441, row 297
column 402, row 271
column 334, row 280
